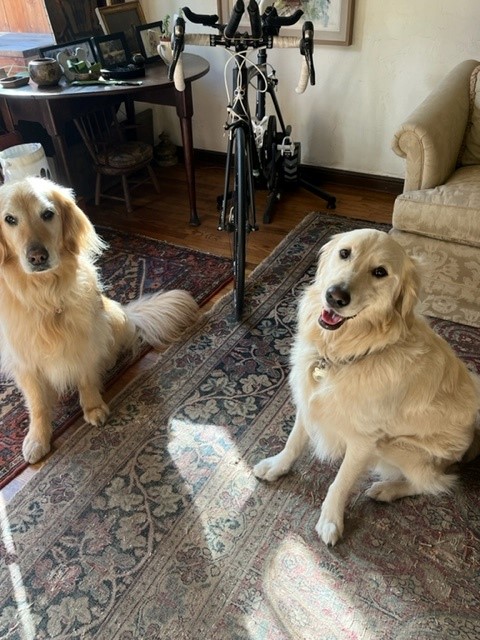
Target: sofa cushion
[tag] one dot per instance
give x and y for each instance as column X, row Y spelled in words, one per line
column 450, row 275
column 449, row 212
column 470, row 152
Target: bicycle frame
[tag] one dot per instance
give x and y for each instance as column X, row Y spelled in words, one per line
column 243, row 73
column 254, row 149
column 241, row 113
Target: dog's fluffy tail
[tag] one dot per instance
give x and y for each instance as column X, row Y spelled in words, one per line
column 162, row 317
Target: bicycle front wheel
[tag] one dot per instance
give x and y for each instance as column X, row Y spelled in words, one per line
column 240, row 209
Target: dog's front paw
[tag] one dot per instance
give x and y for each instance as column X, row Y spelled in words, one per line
column 97, row 415
column 34, row 449
column 329, row 528
column 272, row 468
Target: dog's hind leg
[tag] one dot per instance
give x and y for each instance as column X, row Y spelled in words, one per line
column 272, row 468
column 95, row 410
column 330, row 524
column 420, row 475
column 40, row 398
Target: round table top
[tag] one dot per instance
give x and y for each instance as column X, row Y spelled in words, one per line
column 156, row 75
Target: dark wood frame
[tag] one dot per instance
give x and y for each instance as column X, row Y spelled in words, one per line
column 122, row 17
column 99, row 41
column 139, row 30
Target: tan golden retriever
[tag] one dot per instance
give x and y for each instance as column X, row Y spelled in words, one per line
column 57, row 330
column 372, row 383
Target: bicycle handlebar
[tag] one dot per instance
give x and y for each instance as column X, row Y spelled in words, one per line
column 255, row 19
column 305, row 44
column 235, row 17
column 200, row 18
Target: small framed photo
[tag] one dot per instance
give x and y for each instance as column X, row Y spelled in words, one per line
column 70, row 50
column 122, row 17
column 148, row 38
column 112, row 50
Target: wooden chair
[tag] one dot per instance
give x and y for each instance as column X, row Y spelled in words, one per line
column 113, row 154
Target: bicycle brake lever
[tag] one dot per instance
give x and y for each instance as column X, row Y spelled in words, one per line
column 178, row 44
column 306, row 49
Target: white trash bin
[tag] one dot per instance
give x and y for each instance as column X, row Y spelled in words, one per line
column 24, row 160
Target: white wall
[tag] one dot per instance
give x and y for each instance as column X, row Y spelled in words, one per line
column 400, row 51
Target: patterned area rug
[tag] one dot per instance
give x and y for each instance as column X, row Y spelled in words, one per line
column 132, row 265
column 155, row 527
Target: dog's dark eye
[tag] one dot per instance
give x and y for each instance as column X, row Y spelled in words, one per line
column 10, row 220
column 380, row 272
column 344, row 253
column 47, row 214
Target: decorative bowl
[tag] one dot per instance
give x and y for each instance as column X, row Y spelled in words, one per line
column 45, row 72
column 13, row 82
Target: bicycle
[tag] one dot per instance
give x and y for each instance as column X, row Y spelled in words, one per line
column 260, row 150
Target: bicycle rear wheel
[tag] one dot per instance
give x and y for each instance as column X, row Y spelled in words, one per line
column 240, row 213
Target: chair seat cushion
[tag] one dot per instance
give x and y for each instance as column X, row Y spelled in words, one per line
column 127, row 155
column 449, row 212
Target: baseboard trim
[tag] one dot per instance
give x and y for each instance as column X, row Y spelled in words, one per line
column 321, row 175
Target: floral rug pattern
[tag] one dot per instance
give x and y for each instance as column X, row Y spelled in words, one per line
column 132, row 265
column 155, row 527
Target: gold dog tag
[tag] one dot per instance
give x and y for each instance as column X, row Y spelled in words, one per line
column 320, row 371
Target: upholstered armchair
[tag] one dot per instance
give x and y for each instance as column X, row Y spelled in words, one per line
column 437, row 217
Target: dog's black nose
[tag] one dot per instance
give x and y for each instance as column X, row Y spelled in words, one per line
column 37, row 254
column 337, row 296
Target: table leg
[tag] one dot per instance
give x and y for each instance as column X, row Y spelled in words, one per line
column 184, row 104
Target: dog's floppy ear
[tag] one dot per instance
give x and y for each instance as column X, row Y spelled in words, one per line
column 3, row 246
column 79, row 235
column 325, row 251
column 409, row 290
column 3, row 249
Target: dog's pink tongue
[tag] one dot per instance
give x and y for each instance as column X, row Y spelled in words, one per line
column 330, row 317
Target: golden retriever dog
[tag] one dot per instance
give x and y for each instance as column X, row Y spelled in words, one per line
column 57, row 331
column 372, row 383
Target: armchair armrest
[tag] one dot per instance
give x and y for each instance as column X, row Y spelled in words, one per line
column 431, row 138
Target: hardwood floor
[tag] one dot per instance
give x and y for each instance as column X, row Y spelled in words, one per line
column 166, row 216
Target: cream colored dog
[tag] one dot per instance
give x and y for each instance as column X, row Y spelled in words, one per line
column 57, row 330
column 372, row 383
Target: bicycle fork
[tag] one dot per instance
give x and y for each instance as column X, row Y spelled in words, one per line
column 226, row 220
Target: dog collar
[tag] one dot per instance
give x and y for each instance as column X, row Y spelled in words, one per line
column 322, row 365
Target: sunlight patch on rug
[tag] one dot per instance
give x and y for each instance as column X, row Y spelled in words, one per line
column 306, row 596
column 19, row 590
column 207, row 452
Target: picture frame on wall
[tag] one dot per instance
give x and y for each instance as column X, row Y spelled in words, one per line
column 332, row 19
column 112, row 50
column 148, row 37
column 72, row 19
column 124, row 18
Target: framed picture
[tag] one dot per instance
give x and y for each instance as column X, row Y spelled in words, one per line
column 148, row 37
column 70, row 49
column 122, row 17
column 332, row 19
column 112, row 50
column 72, row 19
